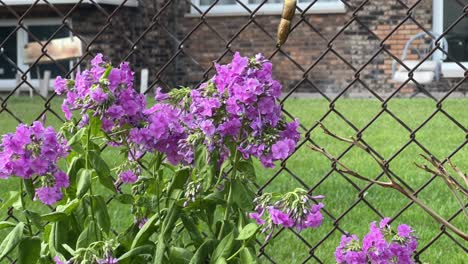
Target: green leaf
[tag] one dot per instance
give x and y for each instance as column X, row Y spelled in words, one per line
column 145, row 249
column 241, row 195
column 29, row 186
column 160, row 249
column 221, row 261
column 247, row 256
column 179, row 180
column 102, row 170
column 146, row 231
column 35, row 218
column 95, row 124
column 53, row 217
column 224, row 248
column 101, row 213
column 190, row 226
column 6, row 224
column 11, row 240
column 202, row 253
column 58, row 236
column 247, row 232
column 179, row 255
column 84, row 182
column 89, row 235
column 29, row 250
column 14, row 198
column 75, row 141
column 69, row 207
column 200, row 156
column 247, row 168
column 76, row 164
column 167, row 228
column 125, row 198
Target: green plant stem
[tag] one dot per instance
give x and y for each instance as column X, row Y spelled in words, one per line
column 24, row 207
column 236, row 253
column 229, row 199
column 88, row 139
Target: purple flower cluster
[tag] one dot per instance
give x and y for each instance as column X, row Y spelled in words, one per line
column 294, row 210
column 34, row 151
column 162, row 133
column 238, row 105
column 240, row 102
column 106, row 92
column 381, row 245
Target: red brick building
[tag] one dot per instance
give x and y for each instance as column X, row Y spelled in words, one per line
column 334, row 45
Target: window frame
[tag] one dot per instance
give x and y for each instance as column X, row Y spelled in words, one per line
column 267, row 9
column 448, row 69
column 22, row 38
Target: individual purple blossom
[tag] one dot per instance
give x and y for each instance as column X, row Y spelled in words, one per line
column 282, row 149
column 99, row 96
column 49, row 195
column 208, row 128
column 128, row 177
column 60, row 85
column 404, row 230
column 257, row 216
column 314, row 217
column 61, row 179
column 279, row 217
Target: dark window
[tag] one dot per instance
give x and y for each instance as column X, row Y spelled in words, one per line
column 8, row 53
column 457, row 37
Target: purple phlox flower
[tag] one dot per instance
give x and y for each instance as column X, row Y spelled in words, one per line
column 404, row 230
column 61, row 179
column 384, row 223
column 128, row 177
column 230, row 127
column 60, row 85
column 98, row 95
column 282, row 149
column 257, row 216
column 115, row 79
column 48, row 195
column 239, row 63
column 207, row 127
column 266, row 105
column 160, row 96
column 314, row 217
column 278, row 217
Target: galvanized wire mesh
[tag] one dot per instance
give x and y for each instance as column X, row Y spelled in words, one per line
column 156, row 29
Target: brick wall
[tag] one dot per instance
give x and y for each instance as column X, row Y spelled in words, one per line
column 174, row 59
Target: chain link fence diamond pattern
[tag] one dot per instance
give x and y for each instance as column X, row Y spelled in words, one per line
column 331, row 56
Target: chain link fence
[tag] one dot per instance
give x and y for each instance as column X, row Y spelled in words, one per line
column 336, row 49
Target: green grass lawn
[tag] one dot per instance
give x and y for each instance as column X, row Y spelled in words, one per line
column 440, row 136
